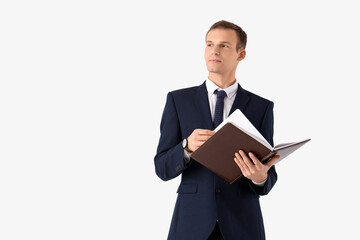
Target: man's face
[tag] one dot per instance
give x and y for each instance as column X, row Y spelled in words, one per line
column 221, row 56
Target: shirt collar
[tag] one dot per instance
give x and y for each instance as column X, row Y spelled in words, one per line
column 230, row 91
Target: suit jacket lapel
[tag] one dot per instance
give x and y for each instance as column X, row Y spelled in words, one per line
column 203, row 107
column 240, row 101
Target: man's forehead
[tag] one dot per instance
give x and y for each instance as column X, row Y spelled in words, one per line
column 221, row 35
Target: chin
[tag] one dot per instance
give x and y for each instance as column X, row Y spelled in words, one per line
column 211, row 70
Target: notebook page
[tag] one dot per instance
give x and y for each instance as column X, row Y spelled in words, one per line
column 240, row 120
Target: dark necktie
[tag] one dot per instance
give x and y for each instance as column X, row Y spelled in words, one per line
column 219, row 107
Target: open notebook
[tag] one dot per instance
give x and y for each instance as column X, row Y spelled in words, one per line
column 234, row 133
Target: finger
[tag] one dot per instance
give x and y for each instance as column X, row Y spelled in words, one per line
column 255, row 160
column 199, row 142
column 205, row 132
column 246, row 160
column 242, row 162
column 241, row 166
column 272, row 161
column 202, row 138
column 237, row 157
column 237, row 162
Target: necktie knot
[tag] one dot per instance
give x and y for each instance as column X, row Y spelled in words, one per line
column 220, row 94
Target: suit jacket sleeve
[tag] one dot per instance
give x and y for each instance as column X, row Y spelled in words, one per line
column 267, row 130
column 169, row 159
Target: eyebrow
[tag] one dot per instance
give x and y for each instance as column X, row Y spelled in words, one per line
column 220, row 42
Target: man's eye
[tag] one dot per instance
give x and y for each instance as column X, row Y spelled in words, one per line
column 209, row 45
column 224, row 46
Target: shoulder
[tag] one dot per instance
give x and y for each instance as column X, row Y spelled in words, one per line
column 186, row 93
column 258, row 99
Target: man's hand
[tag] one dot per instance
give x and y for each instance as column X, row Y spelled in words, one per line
column 255, row 171
column 198, row 137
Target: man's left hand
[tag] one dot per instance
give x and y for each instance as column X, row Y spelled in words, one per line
column 255, row 170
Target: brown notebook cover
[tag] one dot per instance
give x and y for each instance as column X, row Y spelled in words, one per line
column 218, row 152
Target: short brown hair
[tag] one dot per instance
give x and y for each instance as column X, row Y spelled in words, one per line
column 242, row 37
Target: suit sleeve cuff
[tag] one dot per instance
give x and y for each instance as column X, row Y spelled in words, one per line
column 261, row 184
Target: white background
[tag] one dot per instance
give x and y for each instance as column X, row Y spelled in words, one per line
column 84, row 83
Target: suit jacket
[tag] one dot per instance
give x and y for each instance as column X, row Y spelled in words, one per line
column 203, row 197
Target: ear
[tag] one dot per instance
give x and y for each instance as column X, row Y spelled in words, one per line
column 241, row 54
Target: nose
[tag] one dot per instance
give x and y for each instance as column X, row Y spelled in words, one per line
column 215, row 50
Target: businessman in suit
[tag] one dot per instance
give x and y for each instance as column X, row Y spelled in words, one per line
column 207, row 207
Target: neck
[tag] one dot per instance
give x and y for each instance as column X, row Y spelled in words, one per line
column 222, row 81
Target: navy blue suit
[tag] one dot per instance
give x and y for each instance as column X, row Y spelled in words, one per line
column 203, row 197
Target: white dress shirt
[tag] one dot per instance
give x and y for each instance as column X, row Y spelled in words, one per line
column 228, row 102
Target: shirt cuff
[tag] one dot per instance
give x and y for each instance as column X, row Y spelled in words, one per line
column 186, row 157
column 261, row 184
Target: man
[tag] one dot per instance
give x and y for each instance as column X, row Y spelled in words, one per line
column 208, row 207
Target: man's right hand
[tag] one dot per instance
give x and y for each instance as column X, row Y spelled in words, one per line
column 198, row 137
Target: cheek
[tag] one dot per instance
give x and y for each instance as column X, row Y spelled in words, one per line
column 206, row 53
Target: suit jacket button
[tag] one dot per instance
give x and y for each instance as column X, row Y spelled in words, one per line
column 217, row 190
column 178, row 168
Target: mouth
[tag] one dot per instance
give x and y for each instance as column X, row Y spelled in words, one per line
column 215, row 60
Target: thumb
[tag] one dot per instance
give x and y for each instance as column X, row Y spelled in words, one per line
column 272, row 161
